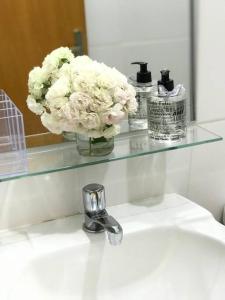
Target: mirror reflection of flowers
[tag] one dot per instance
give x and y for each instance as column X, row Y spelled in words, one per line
column 77, row 94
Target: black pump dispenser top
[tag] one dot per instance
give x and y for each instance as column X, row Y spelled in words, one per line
column 166, row 81
column 143, row 76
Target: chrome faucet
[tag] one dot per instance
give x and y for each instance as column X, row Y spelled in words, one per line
column 96, row 217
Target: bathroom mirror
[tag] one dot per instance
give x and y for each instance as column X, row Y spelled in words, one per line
column 115, row 32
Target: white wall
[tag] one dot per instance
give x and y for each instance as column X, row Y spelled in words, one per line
column 157, row 31
column 207, row 172
column 210, row 58
column 207, row 175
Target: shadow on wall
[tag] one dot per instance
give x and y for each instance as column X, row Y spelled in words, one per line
column 37, row 199
column 128, row 180
column 146, row 177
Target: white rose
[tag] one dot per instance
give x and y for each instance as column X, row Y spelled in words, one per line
column 70, row 113
column 36, row 82
column 56, row 103
column 57, row 58
column 106, row 81
column 80, row 100
column 37, row 75
column 34, row 106
column 131, row 91
column 59, row 89
column 81, row 61
column 114, row 116
column 120, row 96
column 101, row 99
column 90, row 120
column 66, row 126
column 84, row 80
column 65, row 70
column 100, row 106
column 51, row 123
column 111, row 131
column 110, row 78
column 132, row 106
column 103, row 95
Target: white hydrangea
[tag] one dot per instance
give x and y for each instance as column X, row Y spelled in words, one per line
column 37, row 82
column 80, row 101
column 80, row 95
column 34, row 106
column 56, row 103
column 111, row 131
column 57, row 58
column 114, row 115
column 60, row 88
column 80, row 62
column 51, row 123
column 90, row 120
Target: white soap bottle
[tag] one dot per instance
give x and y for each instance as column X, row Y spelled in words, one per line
column 142, row 82
column 167, row 120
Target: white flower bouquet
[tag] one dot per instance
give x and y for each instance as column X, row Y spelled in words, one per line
column 77, row 94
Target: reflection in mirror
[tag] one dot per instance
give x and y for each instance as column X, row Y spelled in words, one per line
column 29, row 30
column 118, row 33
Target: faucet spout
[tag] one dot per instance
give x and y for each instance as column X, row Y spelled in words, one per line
column 104, row 222
column 96, row 218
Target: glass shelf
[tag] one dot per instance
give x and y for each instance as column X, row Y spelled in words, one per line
column 61, row 155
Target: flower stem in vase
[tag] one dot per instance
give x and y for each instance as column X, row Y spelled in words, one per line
column 88, row 146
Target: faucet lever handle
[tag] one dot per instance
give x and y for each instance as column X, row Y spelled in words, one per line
column 94, row 198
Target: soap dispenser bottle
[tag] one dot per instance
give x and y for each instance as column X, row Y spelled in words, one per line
column 142, row 83
column 166, row 108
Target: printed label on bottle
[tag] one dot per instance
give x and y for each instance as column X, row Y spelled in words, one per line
column 167, row 116
column 141, row 112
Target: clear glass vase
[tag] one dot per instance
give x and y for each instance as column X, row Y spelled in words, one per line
column 94, row 146
column 69, row 136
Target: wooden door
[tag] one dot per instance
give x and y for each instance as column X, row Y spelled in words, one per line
column 29, row 29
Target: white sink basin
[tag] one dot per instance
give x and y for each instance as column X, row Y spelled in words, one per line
column 172, row 250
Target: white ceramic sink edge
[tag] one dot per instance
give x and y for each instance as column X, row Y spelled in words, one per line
column 172, row 249
column 169, row 209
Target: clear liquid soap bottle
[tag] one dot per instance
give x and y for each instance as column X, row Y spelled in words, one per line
column 142, row 82
column 166, row 108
